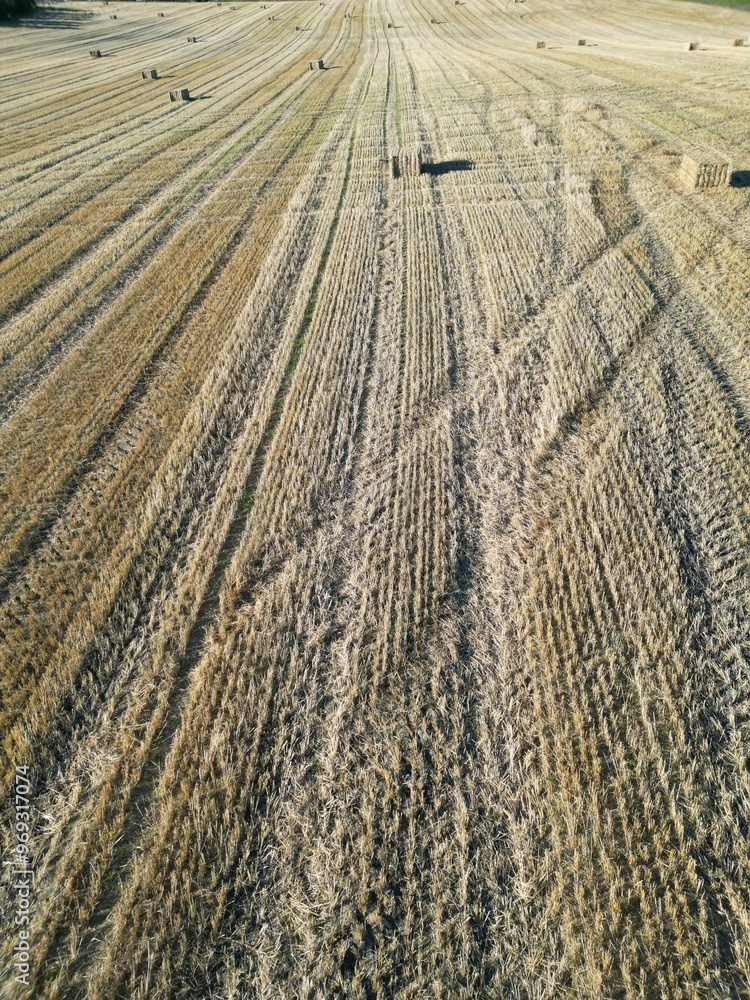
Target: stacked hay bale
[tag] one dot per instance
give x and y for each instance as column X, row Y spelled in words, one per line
column 737, row 42
column 316, row 64
column 181, row 94
column 691, row 46
column 95, row 53
column 700, row 170
column 541, row 45
column 192, row 38
column 149, row 74
column 581, row 41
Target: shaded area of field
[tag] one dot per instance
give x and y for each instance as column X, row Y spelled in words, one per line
column 374, row 539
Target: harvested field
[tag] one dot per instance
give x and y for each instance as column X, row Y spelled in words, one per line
column 375, row 522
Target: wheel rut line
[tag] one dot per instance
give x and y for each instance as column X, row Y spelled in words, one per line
column 386, row 250
column 466, row 569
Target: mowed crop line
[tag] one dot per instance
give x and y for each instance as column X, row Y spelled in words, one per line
column 234, row 676
column 209, row 605
column 271, row 286
column 225, row 223
column 400, row 771
column 136, row 90
column 132, row 122
column 66, row 204
column 151, row 42
column 80, row 513
column 34, row 334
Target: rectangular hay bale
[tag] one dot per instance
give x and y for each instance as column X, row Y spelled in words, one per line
column 541, row 45
column 700, row 170
column 407, row 162
column 95, row 53
column 149, row 74
column 181, row 94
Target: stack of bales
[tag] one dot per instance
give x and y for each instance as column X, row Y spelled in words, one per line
column 316, row 64
column 181, row 94
column 691, row 46
column 541, row 45
column 737, row 42
column 700, row 170
column 149, row 74
column 95, row 53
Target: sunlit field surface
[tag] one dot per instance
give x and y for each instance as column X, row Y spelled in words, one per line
column 375, row 543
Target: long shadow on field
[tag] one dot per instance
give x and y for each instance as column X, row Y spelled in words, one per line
column 446, row 167
column 51, row 17
column 740, row 179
